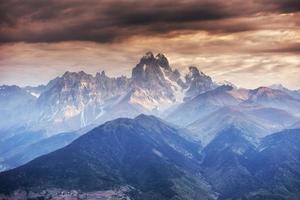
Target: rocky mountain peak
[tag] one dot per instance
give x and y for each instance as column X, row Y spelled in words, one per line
column 194, row 73
column 163, row 62
column 68, row 74
column 148, row 58
column 159, row 59
column 101, row 75
column 147, row 70
column 197, row 82
column 155, row 82
column 75, row 76
column 80, row 98
column 160, row 56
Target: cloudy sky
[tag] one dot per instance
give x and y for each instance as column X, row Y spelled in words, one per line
column 250, row 43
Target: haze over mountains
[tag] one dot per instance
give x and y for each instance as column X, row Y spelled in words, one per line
column 212, row 141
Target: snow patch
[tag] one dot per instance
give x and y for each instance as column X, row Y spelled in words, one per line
column 239, row 151
column 70, row 111
column 158, row 153
column 35, row 94
column 177, row 91
column 2, row 168
column 101, row 112
column 82, row 119
column 148, row 101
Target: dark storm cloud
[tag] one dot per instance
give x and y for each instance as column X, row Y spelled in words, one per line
column 290, row 48
column 285, row 6
column 167, row 12
column 110, row 20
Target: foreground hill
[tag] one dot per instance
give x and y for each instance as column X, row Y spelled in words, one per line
column 237, row 169
column 142, row 153
column 144, row 158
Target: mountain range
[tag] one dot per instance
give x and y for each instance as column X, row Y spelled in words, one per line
column 159, row 134
column 75, row 100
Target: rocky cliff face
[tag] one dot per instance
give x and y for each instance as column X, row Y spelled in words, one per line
column 197, row 82
column 154, row 83
column 77, row 99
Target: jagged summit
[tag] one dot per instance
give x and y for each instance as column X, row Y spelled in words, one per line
column 80, row 74
column 148, row 56
column 158, row 86
column 102, row 74
column 228, row 83
column 154, row 87
column 150, row 68
column 153, row 70
column 162, row 61
column 77, row 99
column 193, row 71
column 198, row 82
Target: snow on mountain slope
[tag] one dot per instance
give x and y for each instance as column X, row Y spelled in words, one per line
column 75, row 100
column 156, row 86
column 78, row 99
column 197, row 83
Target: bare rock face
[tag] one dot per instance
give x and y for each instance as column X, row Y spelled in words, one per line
column 151, row 84
column 197, row 82
column 163, row 61
column 159, row 86
column 78, row 99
